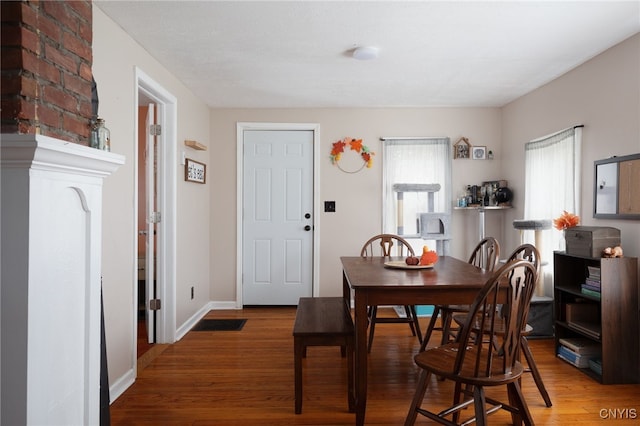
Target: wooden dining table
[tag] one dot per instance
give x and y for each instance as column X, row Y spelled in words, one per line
column 371, row 282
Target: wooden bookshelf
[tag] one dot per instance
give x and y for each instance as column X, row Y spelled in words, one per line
column 610, row 319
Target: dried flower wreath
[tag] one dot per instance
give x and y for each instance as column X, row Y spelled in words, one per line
column 356, row 145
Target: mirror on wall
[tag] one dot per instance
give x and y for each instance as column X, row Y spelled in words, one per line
column 617, row 188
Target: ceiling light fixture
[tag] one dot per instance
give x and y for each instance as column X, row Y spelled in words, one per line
column 365, row 53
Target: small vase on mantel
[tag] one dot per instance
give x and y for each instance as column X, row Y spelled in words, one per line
column 103, row 135
column 100, row 136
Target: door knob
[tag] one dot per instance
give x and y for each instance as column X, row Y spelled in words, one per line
column 307, row 228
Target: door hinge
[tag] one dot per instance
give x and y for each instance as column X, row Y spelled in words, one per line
column 154, row 304
column 155, row 129
column 155, row 217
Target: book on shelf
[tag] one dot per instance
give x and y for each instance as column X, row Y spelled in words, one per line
column 589, row 292
column 580, row 345
column 591, row 287
column 596, row 365
column 594, row 271
column 591, row 329
column 592, row 282
column 580, row 361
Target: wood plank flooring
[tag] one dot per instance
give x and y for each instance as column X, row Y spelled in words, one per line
column 246, row 378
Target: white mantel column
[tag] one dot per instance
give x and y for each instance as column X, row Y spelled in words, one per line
column 50, row 279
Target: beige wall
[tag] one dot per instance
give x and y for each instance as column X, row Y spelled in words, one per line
column 604, row 95
column 358, row 196
column 115, row 58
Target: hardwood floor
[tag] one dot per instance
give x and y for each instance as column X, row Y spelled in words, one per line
column 246, row 378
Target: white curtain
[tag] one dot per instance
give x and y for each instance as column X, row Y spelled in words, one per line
column 414, row 161
column 552, row 181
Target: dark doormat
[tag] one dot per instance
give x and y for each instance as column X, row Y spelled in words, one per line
column 219, row 325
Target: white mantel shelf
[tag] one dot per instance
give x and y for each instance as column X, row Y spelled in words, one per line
column 51, row 252
column 47, row 153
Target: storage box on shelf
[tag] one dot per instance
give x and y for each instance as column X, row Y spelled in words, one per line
column 590, row 240
column 607, row 318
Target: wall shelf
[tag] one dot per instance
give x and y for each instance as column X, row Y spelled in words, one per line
column 195, row 145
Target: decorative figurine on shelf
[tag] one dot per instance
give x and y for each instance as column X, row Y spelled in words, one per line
column 613, row 252
column 103, row 135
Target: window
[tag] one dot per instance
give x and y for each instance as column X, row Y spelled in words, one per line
column 552, row 181
column 414, row 161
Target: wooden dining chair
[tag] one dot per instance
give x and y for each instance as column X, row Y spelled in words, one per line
column 485, row 256
column 529, row 253
column 475, row 364
column 383, row 245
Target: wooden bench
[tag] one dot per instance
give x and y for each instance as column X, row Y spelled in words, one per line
column 322, row 321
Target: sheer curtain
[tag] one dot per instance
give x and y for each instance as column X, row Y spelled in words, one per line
column 411, row 161
column 552, row 181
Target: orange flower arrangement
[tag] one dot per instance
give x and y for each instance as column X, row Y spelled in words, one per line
column 355, row 145
column 566, row 220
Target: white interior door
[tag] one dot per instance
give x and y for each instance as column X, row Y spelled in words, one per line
column 277, row 233
column 150, row 252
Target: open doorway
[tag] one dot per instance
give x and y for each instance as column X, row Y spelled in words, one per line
column 155, row 233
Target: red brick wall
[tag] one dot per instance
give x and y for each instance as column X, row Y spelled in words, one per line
column 46, row 68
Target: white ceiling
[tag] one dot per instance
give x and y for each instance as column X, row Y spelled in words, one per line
column 297, row 54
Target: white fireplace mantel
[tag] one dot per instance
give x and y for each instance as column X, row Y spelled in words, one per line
column 50, row 290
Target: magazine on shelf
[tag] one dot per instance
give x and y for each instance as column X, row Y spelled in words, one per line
column 579, row 364
column 589, row 328
column 594, row 271
column 590, row 292
column 581, row 361
column 596, row 365
column 580, row 345
column 593, row 283
column 591, row 287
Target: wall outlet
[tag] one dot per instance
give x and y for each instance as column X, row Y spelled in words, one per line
column 192, row 292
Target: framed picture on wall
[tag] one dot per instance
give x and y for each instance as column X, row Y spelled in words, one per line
column 195, row 171
column 462, row 148
column 479, row 153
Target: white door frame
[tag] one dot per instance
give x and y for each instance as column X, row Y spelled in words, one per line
column 240, row 129
column 166, row 105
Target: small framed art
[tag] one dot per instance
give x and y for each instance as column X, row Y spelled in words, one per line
column 479, row 152
column 462, row 148
column 195, row 171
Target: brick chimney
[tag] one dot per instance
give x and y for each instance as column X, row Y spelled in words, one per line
column 46, row 68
